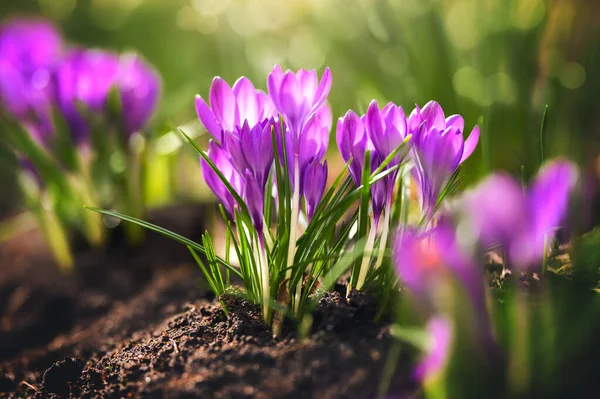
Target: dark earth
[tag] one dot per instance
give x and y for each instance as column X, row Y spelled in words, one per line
column 142, row 323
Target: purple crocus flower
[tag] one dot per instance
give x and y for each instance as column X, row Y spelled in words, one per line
column 499, row 212
column 315, row 140
column 354, row 140
column 254, row 197
column 29, row 52
column 230, row 107
column 86, row 77
column 439, row 148
column 222, row 162
column 251, row 148
column 297, row 96
column 439, row 344
column 312, row 185
column 139, row 89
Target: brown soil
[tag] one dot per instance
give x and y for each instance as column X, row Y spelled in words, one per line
column 140, row 324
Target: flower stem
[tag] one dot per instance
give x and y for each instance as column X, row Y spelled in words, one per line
column 134, row 192
column 384, row 235
column 57, row 239
column 364, row 266
column 295, row 210
column 264, row 267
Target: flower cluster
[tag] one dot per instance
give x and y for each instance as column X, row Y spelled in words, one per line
column 40, row 74
column 245, row 123
column 58, row 106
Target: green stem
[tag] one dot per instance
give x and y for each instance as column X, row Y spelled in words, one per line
column 364, row 266
column 293, row 232
column 384, row 235
column 134, row 191
column 264, row 267
column 56, row 238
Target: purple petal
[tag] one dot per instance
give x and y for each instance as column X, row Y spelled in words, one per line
column 316, row 175
column 223, row 104
column 496, row 210
column 139, row 87
column 254, row 197
column 455, row 122
column 247, row 103
column 221, row 161
column 470, row 144
column 548, row 200
column 433, row 116
column 274, row 81
column 208, row 119
column 323, row 88
column 414, row 120
column 439, row 343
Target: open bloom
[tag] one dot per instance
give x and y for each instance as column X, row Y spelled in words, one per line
column 29, row 52
column 251, row 148
column 298, row 95
column 499, row 212
column 439, row 148
column 230, row 107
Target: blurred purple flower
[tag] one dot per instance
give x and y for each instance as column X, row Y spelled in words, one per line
column 29, row 52
column 222, row 162
column 312, row 185
column 139, row 88
column 298, row 95
column 439, row 148
column 85, row 77
column 499, row 212
column 439, row 345
column 230, row 107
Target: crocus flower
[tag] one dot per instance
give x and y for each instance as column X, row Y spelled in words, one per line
column 251, row 148
column 354, row 141
column 312, row 185
column 222, row 162
column 139, row 88
column 29, row 52
column 231, row 107
column 439, row 148
column 85, row 77
column 315, row 140
column 297, row 96
column 438, row 348
column 254, row 197
column 498, row 211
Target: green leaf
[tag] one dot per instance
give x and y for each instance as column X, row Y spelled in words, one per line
column 165, row 232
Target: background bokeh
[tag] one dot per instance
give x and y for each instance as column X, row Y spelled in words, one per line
column 497, row 62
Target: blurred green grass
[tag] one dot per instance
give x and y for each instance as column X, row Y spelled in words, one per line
column 496, row 61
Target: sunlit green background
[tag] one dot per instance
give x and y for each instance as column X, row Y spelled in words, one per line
column 495, row 61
